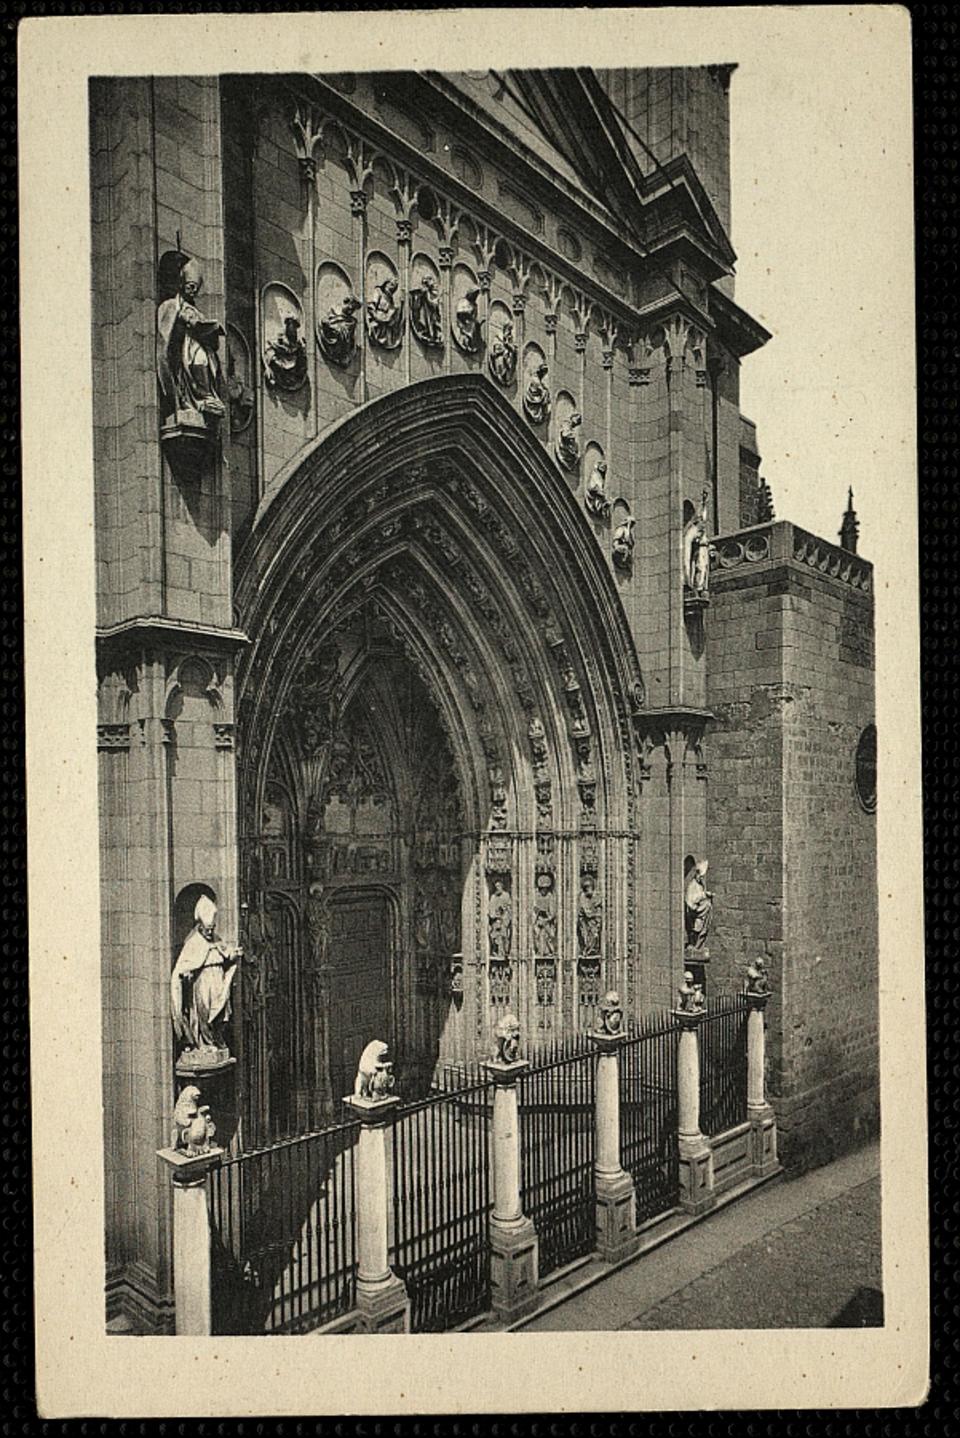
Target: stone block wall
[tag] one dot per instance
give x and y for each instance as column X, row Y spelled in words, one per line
column 792, row 848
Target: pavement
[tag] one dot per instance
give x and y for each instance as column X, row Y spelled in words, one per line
column 795, row 1253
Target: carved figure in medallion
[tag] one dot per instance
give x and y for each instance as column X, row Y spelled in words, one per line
column 337, row 334
column 536, row 396
column 568, row 446
column 466, row 322
column 500, row 921
column 285, row 357
column 624, row 543
column 595, row 495
column 502, row 361
column 385, row 315
column 200, row 988
column 698, row 906
column 589, row 919
column 188, row 363
column 425, row 316
column 545, row 918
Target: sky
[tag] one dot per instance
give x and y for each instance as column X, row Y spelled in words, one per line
column 821, row 222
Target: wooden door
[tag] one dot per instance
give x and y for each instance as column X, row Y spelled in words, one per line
column 359, row 957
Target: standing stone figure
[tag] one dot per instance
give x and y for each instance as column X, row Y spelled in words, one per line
column 200, row 988
column 188, row 363
column 696, row 551
column 502, row 361
column 338, row 332
column 500, row 920
column 536, row 396
column 425, row 318
column 589, row 919
column 545, row 918
column 698, row 906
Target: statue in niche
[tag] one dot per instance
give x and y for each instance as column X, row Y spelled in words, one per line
column 696, row 551
column 611, row 1013
column 285, row 357
column 568, row 446
column 188, row 362
column 536, row 396
column 502, row 360
column 538, row 740
column 338, row 332
column 424, row 921
column 589, row 919
column 385, row 315
column 698, row 906
column 500, row 921
column 595, row 496
column 507, row 1037
column 466, row 322
column 425, row 313
column 545, row 918
column 690, row 998
column 624, row 543
column 200, row 988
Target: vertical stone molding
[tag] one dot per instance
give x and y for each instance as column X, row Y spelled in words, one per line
column 617, row 1236
column 191, row 1238
column 763, row 1124
column 514, row 1253
column 382, row 1303
column 696, row 1154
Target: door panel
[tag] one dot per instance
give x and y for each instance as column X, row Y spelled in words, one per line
column 360, row 929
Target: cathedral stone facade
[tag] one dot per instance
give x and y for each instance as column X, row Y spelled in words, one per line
column 445, row 628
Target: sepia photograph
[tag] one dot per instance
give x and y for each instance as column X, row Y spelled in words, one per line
column 487, row 745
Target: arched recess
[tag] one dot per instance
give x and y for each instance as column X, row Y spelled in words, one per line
column 427, row 545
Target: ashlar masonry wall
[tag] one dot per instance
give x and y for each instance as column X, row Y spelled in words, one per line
column 792, row 846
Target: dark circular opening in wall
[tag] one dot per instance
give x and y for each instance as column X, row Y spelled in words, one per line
column 865, row 770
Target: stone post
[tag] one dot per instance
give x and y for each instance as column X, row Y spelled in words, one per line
column 382, row 1302
column 191, row 1237
column 617, row 1236
column 514, row 1253
column 763, row 1124
column 696, row 1153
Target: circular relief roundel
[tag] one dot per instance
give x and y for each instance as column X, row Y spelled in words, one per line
column 866, row 768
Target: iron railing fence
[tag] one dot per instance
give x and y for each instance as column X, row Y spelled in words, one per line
column 283, row 1223
column 558, row 1188
column 649, row 1151
column 723, row 1064
column 441, row 1206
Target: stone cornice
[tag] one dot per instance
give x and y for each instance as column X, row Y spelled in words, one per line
column 740, row 332
column 156, row 628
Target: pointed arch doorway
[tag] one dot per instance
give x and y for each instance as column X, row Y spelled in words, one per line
column 437, row 757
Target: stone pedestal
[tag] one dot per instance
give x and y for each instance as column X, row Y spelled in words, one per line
column 617, row 1236
column 763, row 1124
column 696, row 1154
column 514, row 1251
column 382, row 1303
column 191, row 1238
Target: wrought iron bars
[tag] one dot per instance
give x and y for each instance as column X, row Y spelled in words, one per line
column 648, row 1115
column 557, row 1103
column 723, row 1064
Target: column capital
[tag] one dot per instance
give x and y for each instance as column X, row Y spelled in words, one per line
column 689, row 1018
column 607, row 1043
column 188, row 1170
column 504, row 1074
column 373, row 1112
column 757, row 1000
